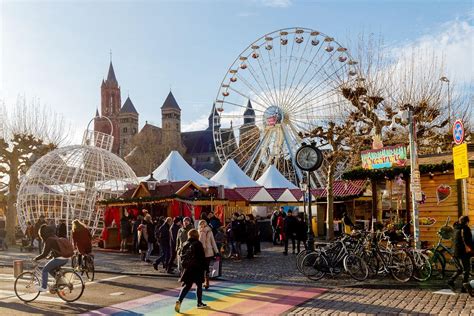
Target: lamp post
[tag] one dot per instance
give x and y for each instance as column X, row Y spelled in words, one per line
column 445, row 79
column 310, row 216
column 415, row 186
column 414, row 178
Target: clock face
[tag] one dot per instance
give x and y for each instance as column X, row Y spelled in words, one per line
column 307, row 158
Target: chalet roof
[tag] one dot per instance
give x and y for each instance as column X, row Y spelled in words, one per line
column 170, row 102
column 128, row 107
column 232, row 195
column 343, row 189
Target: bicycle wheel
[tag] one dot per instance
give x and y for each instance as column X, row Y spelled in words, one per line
column 356, row 267
column 438, row 264
column 70, row 286
column 75, row 262
column 314, row 266
column 422, row 264
column 299, row 259
column 372, row 263
column 26, row 286
column 89, row 268
column 401, row 266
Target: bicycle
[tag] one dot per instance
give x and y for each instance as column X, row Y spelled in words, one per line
column 226, row 250
column 385, row 260
column 421, row 261
column 68, row 285
column 332, row 260
column 87, row 265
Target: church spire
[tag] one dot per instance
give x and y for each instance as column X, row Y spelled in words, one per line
column 111, row 75
column 249, row 114
column 214, row 118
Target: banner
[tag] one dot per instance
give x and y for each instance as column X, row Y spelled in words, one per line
column 386, row 157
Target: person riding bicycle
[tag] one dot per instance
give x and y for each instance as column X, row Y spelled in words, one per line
column 51, row 249
column 82, row 239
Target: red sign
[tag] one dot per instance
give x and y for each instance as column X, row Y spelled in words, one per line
column 458, row 132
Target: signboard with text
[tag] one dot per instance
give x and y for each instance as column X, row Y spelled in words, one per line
column 386, row 157
column 461, row 162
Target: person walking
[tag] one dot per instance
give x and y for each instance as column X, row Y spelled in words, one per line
column 125, row 232
column 163, row 236
column 150, row 229
column 61, row 230
column 135, row 226
column 281, row 228
column 275, row 229
column 181, row 238
column 214, row 222
column 81, row 239
column 175, row 227
column 40, row 222
column 290, row 228
column 238, row 231
column 463, row 251
column 194, row 264
column 142, row 243
column 206, row 237
column 301, row 234
column 251, row 235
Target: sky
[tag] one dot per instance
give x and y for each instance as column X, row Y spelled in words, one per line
column 58, row 52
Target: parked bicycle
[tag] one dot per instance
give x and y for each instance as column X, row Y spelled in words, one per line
column 68, row 285
column 86, row 265
column 421, row 261
column 334, row 259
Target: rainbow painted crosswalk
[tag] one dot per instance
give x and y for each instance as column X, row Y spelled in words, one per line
column 222, row 299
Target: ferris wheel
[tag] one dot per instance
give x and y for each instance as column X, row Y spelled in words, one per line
column 282, row 85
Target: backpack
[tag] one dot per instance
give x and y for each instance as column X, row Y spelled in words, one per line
column 187, row 256
column 65, row 247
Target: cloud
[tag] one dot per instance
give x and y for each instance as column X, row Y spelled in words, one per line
column 277, row 3
column 196, row 125
column 453, row 43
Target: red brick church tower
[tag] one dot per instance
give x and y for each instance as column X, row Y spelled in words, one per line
column 110, row 107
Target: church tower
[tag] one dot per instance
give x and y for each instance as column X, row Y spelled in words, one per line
column 128, row 122
column 248, row 132
column 171, row 125
column 110, row 107
column 214, row 118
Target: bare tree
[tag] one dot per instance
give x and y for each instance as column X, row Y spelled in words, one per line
column 388, row 83
column 144, row 151
column 28, row 132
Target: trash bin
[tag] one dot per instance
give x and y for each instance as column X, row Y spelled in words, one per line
column 17, row 268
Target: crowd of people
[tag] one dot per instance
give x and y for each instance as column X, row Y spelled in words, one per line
column 286, row 227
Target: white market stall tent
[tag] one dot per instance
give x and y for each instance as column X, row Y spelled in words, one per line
column 272, row 178
column 231, row 176
column 175, row 168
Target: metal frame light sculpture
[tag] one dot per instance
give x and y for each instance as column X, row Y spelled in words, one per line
column 66, row 183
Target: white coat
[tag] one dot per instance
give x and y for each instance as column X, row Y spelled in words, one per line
column 207, row 239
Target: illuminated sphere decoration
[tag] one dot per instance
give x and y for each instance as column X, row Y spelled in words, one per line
column 66, row 183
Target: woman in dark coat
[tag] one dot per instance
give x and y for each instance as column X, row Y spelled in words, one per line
column 194, row 265
column 251, row 235
column 463, row 246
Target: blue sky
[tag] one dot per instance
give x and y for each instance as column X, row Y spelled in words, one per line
column 58, row 51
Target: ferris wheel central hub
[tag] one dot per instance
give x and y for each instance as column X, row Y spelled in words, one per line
column 273, row 115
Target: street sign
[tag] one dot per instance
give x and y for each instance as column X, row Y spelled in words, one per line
column 461, row 163
column 416, row 185
column 458, row 132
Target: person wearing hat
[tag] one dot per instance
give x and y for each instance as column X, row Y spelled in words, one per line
column 182, row 237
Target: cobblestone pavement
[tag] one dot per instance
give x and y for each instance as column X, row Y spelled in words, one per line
column 353, row 301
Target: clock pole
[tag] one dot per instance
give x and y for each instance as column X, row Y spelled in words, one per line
column 310, row 216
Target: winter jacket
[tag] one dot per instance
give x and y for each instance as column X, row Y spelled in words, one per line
column 182, row 237
column 150, row 229
column 239, row 228
column 281, row 227
column 215, row 223
column 125, row 228
column 291, row 225
column 462, row 237
column 50, row 246
column 274, row 219
column 163, row 233
column 195, row 272
column 61, row 230
column 82, row 240
column 251, row 231
column 173, row 235
column 206, row 237
column 301, row 232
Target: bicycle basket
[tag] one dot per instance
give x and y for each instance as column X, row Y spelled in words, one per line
column 446, row 232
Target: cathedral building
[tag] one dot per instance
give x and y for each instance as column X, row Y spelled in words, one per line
column 145, row 149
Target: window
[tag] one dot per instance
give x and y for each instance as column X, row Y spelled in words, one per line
column 134, row 130
column 194, row 161
column 124, row 130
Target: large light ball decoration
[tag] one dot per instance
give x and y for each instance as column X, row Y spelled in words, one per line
column 66, row 183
